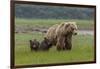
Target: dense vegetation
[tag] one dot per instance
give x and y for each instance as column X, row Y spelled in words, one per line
column 83, row 50
column 52, row 12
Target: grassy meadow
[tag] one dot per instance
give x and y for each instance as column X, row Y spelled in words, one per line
column 83, row 45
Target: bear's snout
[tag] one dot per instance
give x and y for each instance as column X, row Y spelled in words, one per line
column 75, row 33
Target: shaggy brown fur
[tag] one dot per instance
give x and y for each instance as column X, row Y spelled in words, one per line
column 61, row 35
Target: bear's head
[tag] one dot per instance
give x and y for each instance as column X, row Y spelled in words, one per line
column 47, row 42
column 34, row 44
column 70, row 27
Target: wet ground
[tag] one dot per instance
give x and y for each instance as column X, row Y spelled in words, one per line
column 44, row 30
column 86, row 32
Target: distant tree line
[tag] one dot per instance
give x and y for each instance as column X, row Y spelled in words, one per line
column 52, row 12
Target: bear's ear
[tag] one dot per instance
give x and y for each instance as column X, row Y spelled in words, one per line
column 30, row 40
column 45, row 38
column 72, row 28
column 34, row 39
column 62, row 24
column 67, row 25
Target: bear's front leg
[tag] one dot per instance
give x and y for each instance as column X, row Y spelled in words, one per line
column 68, row 42
column 68, row 45
column 60, row 43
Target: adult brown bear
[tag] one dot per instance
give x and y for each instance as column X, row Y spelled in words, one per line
column 61, row 35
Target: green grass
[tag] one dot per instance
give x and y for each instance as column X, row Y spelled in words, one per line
column 82, row 24
column 82, row 51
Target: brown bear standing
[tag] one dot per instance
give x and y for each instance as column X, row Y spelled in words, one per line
column 61, row 35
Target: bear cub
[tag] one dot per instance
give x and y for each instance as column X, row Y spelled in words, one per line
column 44, row 45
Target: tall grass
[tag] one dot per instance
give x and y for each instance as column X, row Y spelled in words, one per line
column 82, row 51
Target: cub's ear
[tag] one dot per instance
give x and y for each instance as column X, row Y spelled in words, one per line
column 34, row 39
column 45, row 38
column 30, row 40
